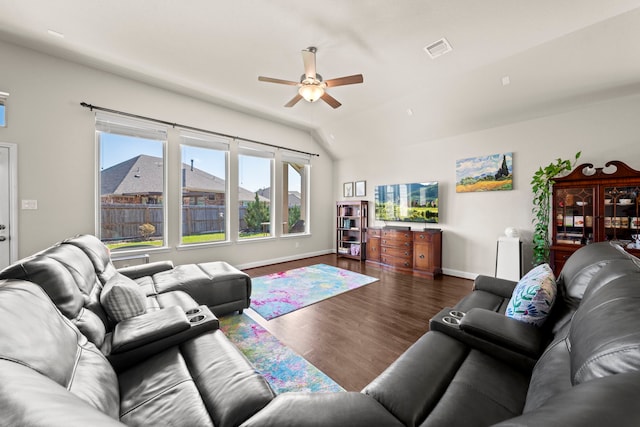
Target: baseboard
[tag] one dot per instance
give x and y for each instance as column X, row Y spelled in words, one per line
column 458, row 273
column 295, row 257
column 263, row 262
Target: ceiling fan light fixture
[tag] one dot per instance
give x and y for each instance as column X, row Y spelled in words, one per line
column 311, row 92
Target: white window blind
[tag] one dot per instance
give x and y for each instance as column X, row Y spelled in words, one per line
column 295, row 157
column 204, row 140
column 256, row 150
column 114, row 123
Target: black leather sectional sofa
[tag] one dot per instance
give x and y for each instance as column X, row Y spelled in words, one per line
column 481, row 368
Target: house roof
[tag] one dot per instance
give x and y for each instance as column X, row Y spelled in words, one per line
column 144, row 174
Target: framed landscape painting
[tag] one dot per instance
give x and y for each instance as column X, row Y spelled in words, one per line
column 486, row 173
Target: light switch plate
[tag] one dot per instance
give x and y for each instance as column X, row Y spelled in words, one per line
column 29, row 204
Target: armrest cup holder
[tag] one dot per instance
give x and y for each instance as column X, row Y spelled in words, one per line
column 180, row 326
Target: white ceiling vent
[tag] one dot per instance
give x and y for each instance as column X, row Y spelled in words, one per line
column 438, row 48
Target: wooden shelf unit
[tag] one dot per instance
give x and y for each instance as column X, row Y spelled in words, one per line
column 594, row 205
column 351, row 225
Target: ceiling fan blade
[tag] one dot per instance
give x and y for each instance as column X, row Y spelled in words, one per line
column 341, row 81
column 293, row 101
column 309, row 60
column 330, row 100
column 272, row 80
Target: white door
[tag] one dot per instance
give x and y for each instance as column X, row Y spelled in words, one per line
column 7, row 204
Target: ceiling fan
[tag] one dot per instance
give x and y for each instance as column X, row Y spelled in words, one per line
column 311, row 86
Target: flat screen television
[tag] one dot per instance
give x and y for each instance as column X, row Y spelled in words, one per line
column 413, row 202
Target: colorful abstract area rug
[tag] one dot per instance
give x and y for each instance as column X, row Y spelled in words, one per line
column 281, row 293
column 283, row 369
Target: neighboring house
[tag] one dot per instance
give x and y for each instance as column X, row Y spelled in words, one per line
column 139, row 180
column 294, row 196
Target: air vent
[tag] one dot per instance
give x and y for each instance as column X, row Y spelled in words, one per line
column 438, row 48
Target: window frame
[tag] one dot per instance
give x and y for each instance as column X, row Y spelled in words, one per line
column 288, row 158
column 4, row 96
column 209, row 142
column 136, row 128
column 257, row 151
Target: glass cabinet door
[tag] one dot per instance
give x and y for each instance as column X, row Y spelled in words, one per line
column 621, row 215
column 574, row 215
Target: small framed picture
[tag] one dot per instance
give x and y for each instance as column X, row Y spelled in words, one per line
column 348, row 189
column 361, row 188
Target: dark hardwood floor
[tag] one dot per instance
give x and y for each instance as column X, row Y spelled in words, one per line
column 354, row 336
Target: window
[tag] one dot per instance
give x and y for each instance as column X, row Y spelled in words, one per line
column 295, row 177
column 255, row 177
column 204, row 188
column 3, row 109
column 131, row 182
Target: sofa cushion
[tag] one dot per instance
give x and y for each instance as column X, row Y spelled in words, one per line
column 552, row 373
column 91, row 326
column 605, row 332
column 483, row 391
column 206, row 381
column 36, row 335
column 122, row 298
column 533, row 296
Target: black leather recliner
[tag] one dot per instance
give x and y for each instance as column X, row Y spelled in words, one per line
column 581, row 368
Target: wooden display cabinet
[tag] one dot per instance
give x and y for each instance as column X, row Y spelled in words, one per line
column 594, row 205
column 351, row 226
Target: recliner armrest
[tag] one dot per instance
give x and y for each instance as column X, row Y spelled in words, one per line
column 495, row 285
column 140, row 337
column 502, row 330
column 483, row 329
column 140, row 330
column 137, row 271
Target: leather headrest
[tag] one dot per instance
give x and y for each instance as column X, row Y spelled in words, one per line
column 55, row 278
column 612, row 270
column 34, row 333
column 97, row 252
column 583, row 264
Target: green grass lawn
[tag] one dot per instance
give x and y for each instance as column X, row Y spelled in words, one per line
column 186, row 240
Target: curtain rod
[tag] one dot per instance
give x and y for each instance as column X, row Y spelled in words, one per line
column 174, row 125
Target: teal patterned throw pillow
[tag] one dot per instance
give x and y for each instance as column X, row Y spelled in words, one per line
column 533, row 296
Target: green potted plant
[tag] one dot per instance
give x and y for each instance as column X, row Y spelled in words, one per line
column 542, row 187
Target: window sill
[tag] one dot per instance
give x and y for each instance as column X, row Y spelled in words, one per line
column 294, row 235
column 256, row 240
column 115, row 254
column 192, row 246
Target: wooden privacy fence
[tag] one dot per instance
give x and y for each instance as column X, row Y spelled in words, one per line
column 123, row 221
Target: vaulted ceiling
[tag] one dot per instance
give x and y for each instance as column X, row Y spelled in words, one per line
column 512, row 60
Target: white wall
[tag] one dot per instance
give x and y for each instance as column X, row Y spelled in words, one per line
column 56, row 154
column 472, row 222
column 56, row 151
